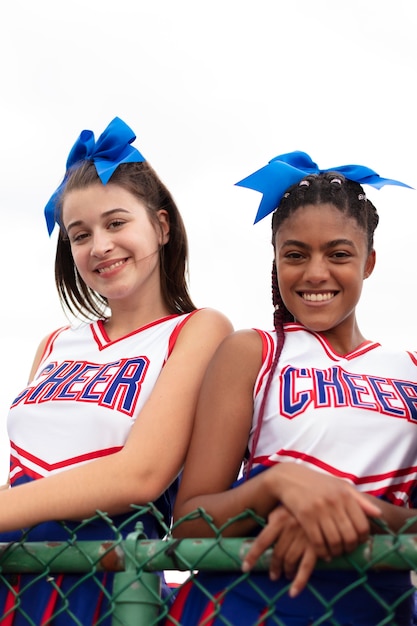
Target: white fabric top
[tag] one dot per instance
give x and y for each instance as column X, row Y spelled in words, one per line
column 353, row 416
column 85, row 395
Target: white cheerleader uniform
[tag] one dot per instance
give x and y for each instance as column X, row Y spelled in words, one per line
column 354, row 417
column 80, row 406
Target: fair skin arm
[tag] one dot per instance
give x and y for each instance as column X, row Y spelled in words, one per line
column 336, row 512
column 135, row 474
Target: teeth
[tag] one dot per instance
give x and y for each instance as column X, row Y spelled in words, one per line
column 318, row 297
column 103, row 270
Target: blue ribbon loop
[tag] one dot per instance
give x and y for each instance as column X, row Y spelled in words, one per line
column 110, row 150
column 285, row 170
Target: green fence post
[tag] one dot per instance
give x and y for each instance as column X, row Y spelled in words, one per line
column 136, row 595
column 135, row 598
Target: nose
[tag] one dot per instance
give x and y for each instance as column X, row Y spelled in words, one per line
column 316, row 270
column 101, row 243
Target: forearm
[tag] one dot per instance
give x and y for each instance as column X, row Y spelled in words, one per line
column 319, row 502
column 104, row 484
column 393, row 516
column 253, row 495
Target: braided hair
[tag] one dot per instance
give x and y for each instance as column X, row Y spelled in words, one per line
column 324, row 188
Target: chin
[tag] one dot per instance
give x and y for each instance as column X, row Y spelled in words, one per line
column 318, row 326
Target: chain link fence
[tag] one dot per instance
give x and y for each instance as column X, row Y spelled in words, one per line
column 125, row 571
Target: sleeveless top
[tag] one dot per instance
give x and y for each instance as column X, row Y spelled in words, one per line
column 85, row 396
column 353, row 416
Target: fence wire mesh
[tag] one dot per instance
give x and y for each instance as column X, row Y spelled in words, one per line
column 117, row 581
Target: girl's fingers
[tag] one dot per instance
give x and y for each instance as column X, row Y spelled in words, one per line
column 262, row 542
column 348, row 527
column 279, row 520
column 287, row 551
column 371, row 509
column 304, row 571
column 337, row 524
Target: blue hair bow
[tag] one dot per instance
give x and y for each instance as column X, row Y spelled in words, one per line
column 110, row 150
column 285, row 170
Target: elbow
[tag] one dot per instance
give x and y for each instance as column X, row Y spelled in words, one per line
column 146, row 487
column 191, row 522
column 195, row 529
column 179, row 532
column 141, row 480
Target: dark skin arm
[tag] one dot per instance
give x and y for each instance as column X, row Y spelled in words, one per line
column 337, row 513
column 296, row 557
column 395, row 517
column 309, row 514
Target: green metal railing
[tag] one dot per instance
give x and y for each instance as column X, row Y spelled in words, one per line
column 135, row 597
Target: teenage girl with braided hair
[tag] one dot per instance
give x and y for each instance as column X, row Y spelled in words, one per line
column 328, row 419
column 106, row 417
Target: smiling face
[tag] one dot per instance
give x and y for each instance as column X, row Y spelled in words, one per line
column 114, row 243
column 322, row 259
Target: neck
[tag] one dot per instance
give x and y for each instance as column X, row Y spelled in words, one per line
column 123, row 321
column 344, row 342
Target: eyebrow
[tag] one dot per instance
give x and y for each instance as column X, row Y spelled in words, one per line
column 105, row 214
column 329, row 244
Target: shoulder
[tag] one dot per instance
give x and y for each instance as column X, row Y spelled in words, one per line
column 239, row 355
column 246, row 341
column 197, row 335
column 206, row 320
column 208, row 316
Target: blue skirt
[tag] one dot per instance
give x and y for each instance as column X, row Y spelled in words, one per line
column 343, row 597
column 331, row 597
column 86, row 598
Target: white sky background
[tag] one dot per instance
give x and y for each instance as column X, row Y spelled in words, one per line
column 213, row 90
